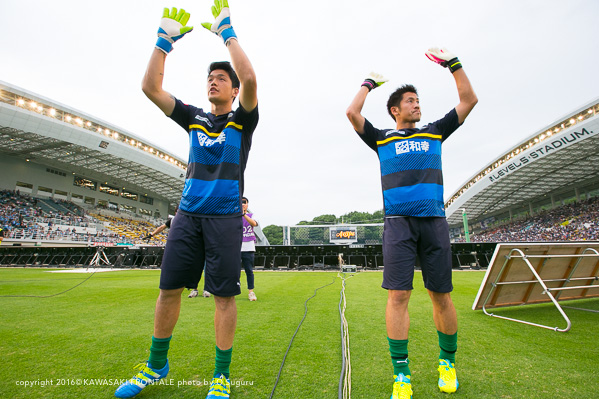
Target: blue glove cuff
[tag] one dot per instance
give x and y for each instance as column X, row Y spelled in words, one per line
column 227, row 34
column 164, row 45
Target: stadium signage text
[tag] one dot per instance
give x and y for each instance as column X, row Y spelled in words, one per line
column 540, row 152
column 343, row 236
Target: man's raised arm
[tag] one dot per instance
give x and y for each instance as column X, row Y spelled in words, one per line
column 248, row 94
column 466, row 93
column 172, row 28
column 354, row 111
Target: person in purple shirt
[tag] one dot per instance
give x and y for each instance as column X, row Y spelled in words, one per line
column 248, row 247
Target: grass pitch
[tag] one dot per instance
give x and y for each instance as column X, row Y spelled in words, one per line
column 84, row 342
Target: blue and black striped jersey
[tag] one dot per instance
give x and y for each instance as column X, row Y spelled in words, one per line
column 218, row 151
column 411, row 173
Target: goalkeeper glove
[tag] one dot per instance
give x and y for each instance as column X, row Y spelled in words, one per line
column 444, row 58
column 147, row 238
column 222, row 24
column 374, row 80
column 172, row 28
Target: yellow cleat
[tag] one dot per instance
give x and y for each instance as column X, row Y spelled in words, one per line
column 448, row 381
column 220, row 388
column 402, row 387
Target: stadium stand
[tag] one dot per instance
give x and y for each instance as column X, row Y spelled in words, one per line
column 578, row 221
column 556, row 165
column 133, row 230
column 51, row 150
column 25, row 217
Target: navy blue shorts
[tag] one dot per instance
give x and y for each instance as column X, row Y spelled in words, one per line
column 404, row 238
column 196, row 244
column 247, row 263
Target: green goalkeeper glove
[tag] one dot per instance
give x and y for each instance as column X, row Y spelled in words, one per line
column 172, row 28
column 222, row 24
column 444, row 58
column 374, row 80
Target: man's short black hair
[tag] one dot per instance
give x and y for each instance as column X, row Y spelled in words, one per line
column 396, row 97
column 225, row 66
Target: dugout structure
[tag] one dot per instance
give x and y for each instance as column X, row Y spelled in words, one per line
column 534, row 273
column 24, row 253
column 71, row 255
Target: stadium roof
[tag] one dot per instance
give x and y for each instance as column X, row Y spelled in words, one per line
column 562, row 157
column 43, row 131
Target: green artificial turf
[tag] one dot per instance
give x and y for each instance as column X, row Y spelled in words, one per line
column 83, row 342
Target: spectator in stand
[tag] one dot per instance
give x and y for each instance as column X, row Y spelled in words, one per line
column 165, row 225
column 573, row 222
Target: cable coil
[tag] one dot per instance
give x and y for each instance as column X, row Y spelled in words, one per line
column 345, row 377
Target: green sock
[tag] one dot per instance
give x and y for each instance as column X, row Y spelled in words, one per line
column 158, row 352
column 448, row 345
column 222, row 362
column 399, row 356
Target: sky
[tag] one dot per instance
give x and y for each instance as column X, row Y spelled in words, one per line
column 529, row 61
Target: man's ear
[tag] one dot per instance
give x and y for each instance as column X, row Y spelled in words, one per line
column 235, row 92
column 395, row 111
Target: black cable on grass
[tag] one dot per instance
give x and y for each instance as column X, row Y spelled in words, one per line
column 295, row 333
column 48, row 296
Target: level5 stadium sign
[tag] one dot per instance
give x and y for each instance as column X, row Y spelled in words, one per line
column 548, row 147
column 343, row 236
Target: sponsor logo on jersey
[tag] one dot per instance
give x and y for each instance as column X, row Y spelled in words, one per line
column 411, row 146
column 205, row 120
column 205, row 141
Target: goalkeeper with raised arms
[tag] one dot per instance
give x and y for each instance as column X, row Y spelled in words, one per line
column 415, row 224
column 210, row 206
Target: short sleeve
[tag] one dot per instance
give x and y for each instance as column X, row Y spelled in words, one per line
column 370, row 135
column 249, row 120
column 183, row 113
column 448, row 124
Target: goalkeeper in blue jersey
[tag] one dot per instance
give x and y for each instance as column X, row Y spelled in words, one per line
column 415, row 224
column 210, row 206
